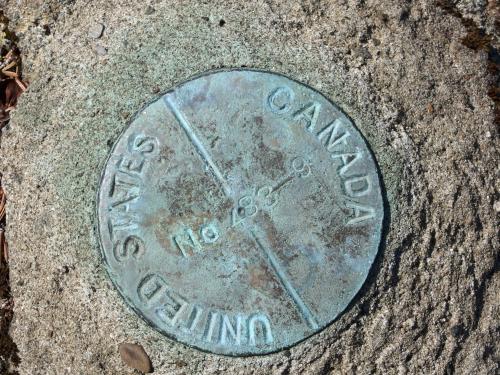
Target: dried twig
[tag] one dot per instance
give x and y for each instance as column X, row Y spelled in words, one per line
column 11, row 64
column 11, row 81
column 21, row 84
column 4, row 248
column 9, row 74
column 3, row 199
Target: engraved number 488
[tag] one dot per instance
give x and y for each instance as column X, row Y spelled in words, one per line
column 266, row 197
column 301, row 167
column 248, row 205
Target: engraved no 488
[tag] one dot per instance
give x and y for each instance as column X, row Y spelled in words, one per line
column 266, row 197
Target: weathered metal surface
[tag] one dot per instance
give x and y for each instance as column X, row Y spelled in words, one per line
column 240, row 213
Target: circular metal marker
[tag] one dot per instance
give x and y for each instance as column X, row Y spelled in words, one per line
column 240, row 213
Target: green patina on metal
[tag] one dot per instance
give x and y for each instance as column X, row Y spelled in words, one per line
column 240, row 213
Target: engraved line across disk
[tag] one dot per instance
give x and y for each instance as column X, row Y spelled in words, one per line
column 200, row 148
column 304, row 310
column 282, row 183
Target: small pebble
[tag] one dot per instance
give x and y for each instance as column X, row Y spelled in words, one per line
column 488, row 134
column 496, row 206
column 96, row 30
column 136, row 357
column 100, row 50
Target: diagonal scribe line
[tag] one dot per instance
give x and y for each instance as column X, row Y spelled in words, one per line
column 205, row 156
column 304, row 310
column 200, row 148
column 282, row 183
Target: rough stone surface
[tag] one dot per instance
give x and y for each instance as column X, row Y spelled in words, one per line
column 400, row 70
column 96, row 30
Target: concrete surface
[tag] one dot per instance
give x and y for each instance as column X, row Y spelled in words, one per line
column 400, row 71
